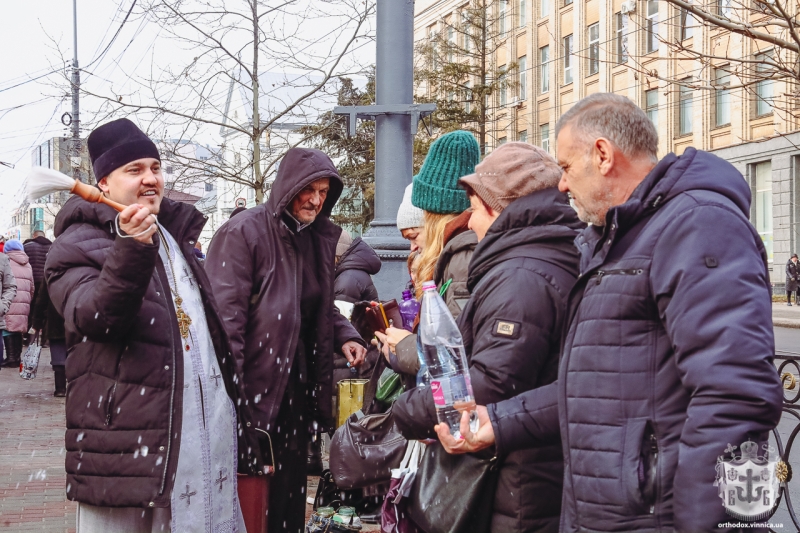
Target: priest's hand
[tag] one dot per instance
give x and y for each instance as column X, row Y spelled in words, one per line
column 354, row 353
column 469, row 442
column 137, row 222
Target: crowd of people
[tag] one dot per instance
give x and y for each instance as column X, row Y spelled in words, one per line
column 608, row 373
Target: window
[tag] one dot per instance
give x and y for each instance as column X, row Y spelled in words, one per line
column 209, row 187
column 522, row 13
column 568, row 60
column 522, row 136
column 594, row 49
column 621, row 31
column 170, row 169
column 434, row 50
column 467, row 97
column 503, row 86
column 502, row 17
column 724, row 7
column 763, row 207
column 567, row 2
column 544, row 8
column 544, row 69
column 523, row 77
column 764, row 87
column 651, row 36
column 687, row 26
column 685, row 111
column 501, row 141
column 651, row 106
column 451, row 43
column 466, row 31
column 544, row 135
column 722, row 96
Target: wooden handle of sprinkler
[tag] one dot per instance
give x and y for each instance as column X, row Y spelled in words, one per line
column 93, row 194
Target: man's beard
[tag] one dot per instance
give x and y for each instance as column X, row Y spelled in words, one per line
column 595, row 212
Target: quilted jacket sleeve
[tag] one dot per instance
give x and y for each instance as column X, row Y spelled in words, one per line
column 9, row 286
column 723, row 345
column 100, row 303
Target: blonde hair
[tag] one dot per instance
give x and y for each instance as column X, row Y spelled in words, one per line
column 434, row 243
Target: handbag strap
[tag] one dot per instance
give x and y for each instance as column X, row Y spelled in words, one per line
column 372, row 387
column 271, row 452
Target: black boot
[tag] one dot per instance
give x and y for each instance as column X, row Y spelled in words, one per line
column 16, row 350
column 314, row 456
column 8, row 342
column 61, row 381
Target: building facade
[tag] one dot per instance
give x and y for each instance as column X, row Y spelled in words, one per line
column 565, row 50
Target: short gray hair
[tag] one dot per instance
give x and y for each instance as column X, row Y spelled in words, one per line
column 617, row 119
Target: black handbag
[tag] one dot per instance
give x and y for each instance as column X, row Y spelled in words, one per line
column 453, row 493
column 365, row 449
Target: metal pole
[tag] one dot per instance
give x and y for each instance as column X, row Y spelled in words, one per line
column 76, row 84
column 393, row 140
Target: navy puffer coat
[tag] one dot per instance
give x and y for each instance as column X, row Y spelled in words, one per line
column 667, row 355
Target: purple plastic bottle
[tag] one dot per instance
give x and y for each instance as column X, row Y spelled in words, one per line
column 409, row 308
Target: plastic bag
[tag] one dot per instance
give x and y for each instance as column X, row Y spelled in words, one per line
column 29, row 363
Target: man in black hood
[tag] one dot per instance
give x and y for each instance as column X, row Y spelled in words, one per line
column 272, row 272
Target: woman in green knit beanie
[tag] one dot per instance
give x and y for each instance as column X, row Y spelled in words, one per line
column 449, row 242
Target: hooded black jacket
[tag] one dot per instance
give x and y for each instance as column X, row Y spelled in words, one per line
column 37, row 254
column 256, row 275
column 123, row 408
column 353, row 282
column 519, row 279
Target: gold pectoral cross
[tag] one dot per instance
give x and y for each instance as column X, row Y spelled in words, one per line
column 184, row 321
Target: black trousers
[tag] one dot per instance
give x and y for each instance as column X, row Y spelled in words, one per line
column 287, row 490
column 789, row 296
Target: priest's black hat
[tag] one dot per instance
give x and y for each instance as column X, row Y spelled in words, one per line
column 117, row 143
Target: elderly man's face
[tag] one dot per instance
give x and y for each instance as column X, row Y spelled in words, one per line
column 138, row 182
column 590, row 190
column 309, row 201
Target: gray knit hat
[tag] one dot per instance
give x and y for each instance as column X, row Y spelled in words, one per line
column 408, row 216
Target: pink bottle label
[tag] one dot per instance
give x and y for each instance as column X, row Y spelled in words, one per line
column 438, row 393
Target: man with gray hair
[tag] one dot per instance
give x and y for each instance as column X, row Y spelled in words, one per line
column 660, row 374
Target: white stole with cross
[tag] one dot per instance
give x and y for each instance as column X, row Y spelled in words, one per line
column 204, row 495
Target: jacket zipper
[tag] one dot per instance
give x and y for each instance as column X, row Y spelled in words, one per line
column 171, row 396
column 111, row 395
column 619, row 271
column 653, row 449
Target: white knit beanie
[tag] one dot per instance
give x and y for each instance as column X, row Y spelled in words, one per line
column 408, row 216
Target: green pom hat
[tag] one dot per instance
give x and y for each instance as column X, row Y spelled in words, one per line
column 450, row 157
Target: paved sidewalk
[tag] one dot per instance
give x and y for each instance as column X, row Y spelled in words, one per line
column 32, row 479
column 784, row 316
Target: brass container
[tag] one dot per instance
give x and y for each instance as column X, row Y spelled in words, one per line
column 350, row 396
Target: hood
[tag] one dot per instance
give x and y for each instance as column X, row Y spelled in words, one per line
column 18, row 256
column 298, row 168
column 543, row 219
column 360, row 256
column 181, row 220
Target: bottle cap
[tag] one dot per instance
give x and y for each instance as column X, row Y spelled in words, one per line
column 429, row 286
column 406, row 295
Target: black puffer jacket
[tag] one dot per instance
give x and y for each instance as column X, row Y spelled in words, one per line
column 353, row 282
column 123, row 406
column 519, row 279
column 37, row 254
column 255, row 270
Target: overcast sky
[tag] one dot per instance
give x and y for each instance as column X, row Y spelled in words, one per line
column 33, row 37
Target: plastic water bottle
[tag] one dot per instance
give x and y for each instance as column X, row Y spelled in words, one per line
column 409, row 308
column 443, row 353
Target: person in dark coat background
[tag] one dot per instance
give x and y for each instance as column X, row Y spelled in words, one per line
column 46, row 320
column 272, row 272
column 792, row 277
column 667, row 356
column 519, row 278
column 154, row 404
column 37, row 248
column 353, row 270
